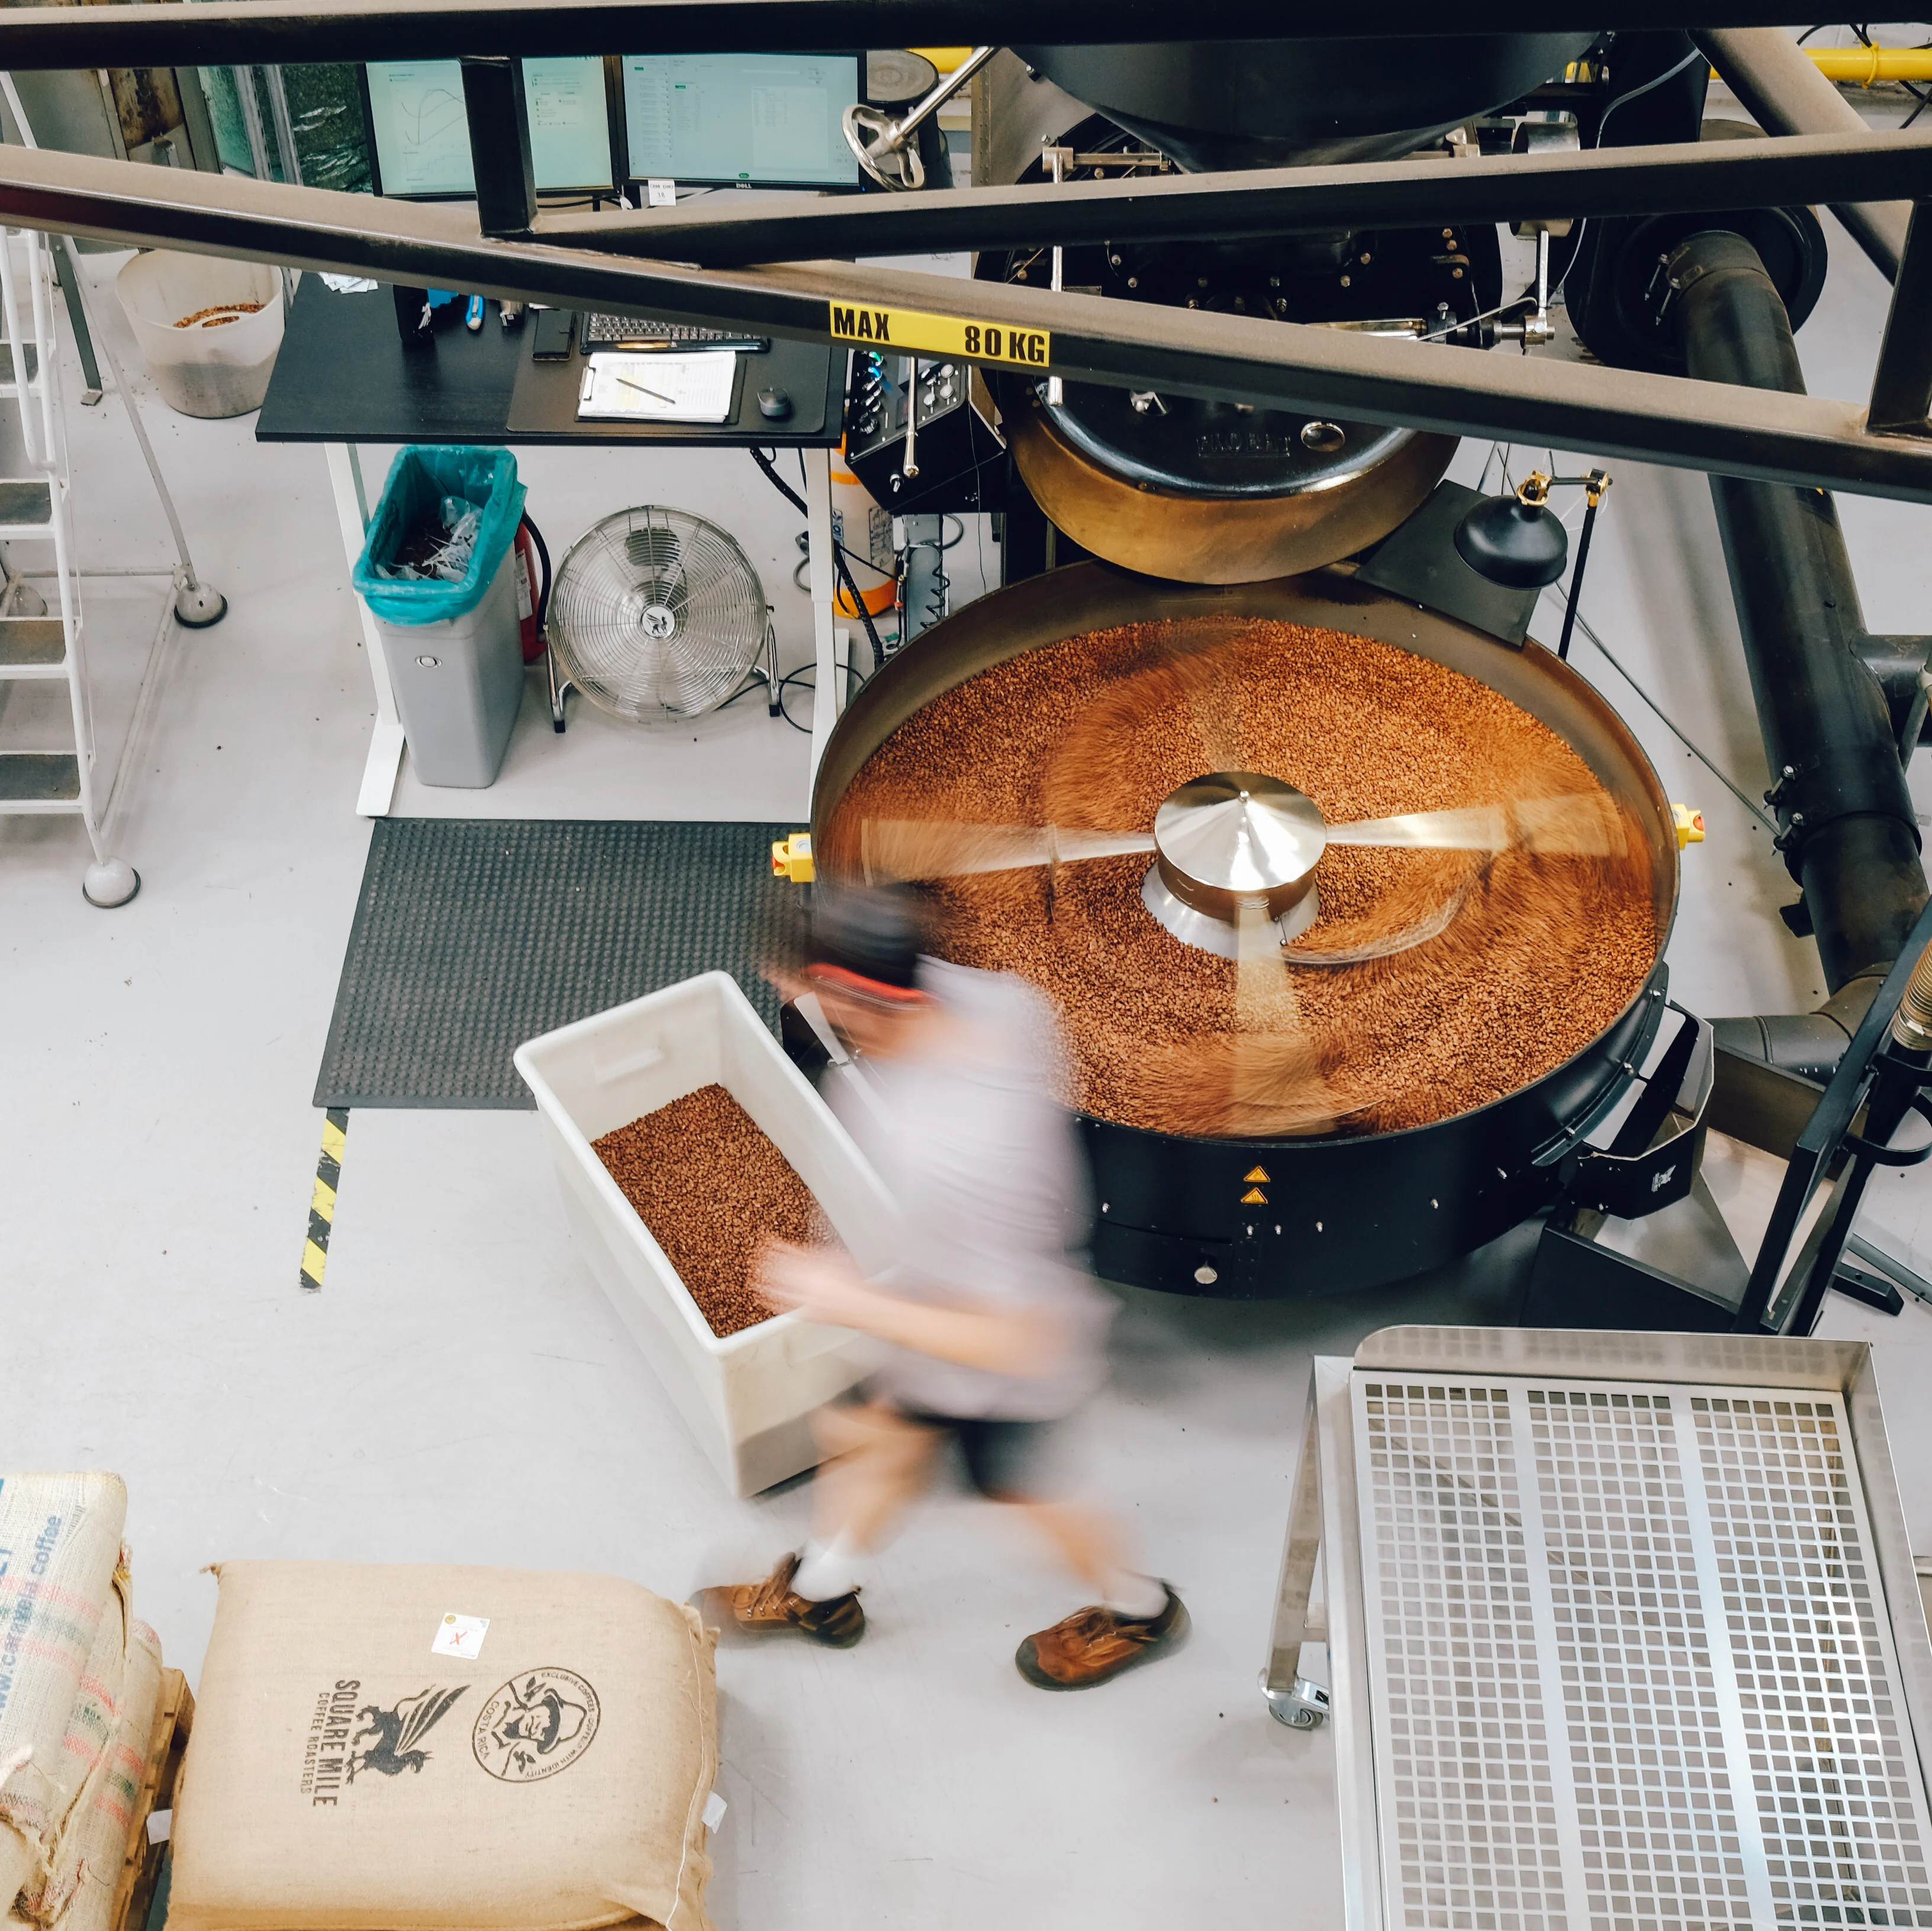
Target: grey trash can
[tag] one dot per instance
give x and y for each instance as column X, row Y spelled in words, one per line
column 454, row 649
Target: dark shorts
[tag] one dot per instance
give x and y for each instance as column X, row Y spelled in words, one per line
column 1002, row 1457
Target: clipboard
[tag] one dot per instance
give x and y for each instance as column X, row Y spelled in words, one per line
column 700, row 389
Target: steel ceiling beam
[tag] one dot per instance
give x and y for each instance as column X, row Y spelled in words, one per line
column 276, row 31
column 1810, row 441
column 1784, row 93
column 1686, row 177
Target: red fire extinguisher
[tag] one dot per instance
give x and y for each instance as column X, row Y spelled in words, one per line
column 532, row 591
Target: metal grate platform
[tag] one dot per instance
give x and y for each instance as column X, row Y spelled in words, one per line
column 1623, row 1656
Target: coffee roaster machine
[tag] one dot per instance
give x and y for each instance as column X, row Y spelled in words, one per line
column 1235, row 301
column 1116, row 505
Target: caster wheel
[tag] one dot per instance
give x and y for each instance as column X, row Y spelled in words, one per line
column 1301, row 1707
column 111, row 884
column 198, row 605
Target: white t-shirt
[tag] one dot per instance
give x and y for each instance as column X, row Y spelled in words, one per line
column 977, row 1148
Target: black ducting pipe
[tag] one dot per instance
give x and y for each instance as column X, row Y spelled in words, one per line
column 1847, row 825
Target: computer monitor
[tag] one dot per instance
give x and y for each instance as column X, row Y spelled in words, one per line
column 419, row 135
column 756, row 120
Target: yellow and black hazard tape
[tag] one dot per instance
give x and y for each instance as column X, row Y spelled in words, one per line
column 321, row 1207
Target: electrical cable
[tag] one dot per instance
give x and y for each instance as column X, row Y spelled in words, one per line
column 1689, row 745
column 1649, row 86
column 797, row 501
column 1528, row 296
column 1924, row 99
column 778, row 483
column 937, row 586
column 850, row 555
column 1500, row 451
column 788, row 716
column 806, row 678
column 1526, row 299
column 865, row 563
column 542, row 612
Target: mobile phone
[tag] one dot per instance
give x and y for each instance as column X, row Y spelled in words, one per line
column 552, row 340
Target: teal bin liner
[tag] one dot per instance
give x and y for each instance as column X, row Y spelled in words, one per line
column 422, row 475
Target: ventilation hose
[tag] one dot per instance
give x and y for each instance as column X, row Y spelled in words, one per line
column 1847, row 825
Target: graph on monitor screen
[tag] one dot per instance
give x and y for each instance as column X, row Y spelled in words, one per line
column 422, row 136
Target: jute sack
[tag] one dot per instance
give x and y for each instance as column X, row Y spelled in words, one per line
column 78, row 1893
column 344, row 1776
column 86, row 1748
column 60, row 1543
column 98, row 1704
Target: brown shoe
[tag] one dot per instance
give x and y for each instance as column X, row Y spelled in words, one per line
column 772, row 1607
column 1092, row 1645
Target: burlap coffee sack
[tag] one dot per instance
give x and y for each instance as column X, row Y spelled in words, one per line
column 87, row 1748
column 343, row 1777
column 78, row 1894
column 60, row 1543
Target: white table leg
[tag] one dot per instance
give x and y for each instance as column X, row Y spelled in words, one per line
column 385, row 745
column 829, row 684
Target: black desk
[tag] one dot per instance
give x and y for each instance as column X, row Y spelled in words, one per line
column 343, row 376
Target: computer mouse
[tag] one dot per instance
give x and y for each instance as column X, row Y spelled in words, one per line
column 774, row 405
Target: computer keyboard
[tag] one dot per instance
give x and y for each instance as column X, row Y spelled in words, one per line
column 600, row 330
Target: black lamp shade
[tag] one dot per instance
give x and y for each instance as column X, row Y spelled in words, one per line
column 1521, row 546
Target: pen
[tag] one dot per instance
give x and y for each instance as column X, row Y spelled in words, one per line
column 643, row 392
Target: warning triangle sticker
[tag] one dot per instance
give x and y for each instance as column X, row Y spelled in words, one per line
column 1254, row 1197
column 1255, row 1173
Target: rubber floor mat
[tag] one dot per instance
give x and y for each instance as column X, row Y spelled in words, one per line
column 473, row 935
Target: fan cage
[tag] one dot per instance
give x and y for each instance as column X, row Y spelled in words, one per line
column 657, row 615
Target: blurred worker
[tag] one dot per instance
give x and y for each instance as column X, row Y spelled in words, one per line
column 994, row 1330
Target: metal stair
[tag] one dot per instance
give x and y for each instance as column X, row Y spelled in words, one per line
column 26, row 508
column 32, row 647
column 36, row 643
column 35, row 509
column 39, row 781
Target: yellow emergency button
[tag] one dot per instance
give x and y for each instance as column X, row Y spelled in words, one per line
column 1254, row 1197
column 791, row 857
column 1690, row 825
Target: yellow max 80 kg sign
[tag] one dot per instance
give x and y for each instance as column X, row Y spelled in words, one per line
column 906, row 330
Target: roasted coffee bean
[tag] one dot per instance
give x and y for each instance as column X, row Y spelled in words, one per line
column 710, row 1187
column 1096, row 730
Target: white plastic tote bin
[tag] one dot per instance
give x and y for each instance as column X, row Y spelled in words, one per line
column 749, row 1397
column 219, row 363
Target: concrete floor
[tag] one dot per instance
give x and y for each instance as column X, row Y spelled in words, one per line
column 460, row 1391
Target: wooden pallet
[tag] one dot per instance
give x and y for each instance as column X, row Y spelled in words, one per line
column 167, row 1743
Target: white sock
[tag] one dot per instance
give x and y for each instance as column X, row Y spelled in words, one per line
column 827, row 1569
column 1135, row 1597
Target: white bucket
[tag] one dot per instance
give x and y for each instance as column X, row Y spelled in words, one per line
column 219, row 364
